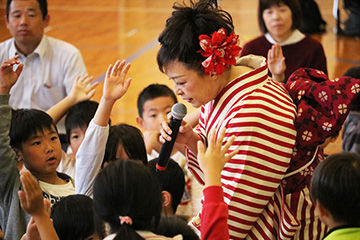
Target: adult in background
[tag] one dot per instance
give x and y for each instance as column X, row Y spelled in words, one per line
column 50, row 65
column 285, row 47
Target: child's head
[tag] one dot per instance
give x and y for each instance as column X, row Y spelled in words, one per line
column 180, row 38
column 154, row 103
column 73, row 218
column 354, row 72
column 77, row 120
column 126, row 142
column 335, row 187
column 127, row 189
column 329, row 140
column 35, row 139
column 172, row 181
column 292, row 5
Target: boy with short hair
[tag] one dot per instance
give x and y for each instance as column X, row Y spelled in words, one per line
column 335, row 190
column 154, row 103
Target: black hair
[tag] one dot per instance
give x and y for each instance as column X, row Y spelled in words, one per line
column 354, row 72
column 42, row 4
column 153, row 91
column 180, row 38
column 73, row 217
column 25, row 123
column 294, row 6
column 79, row 116
column 335, row 185
column 171, row 226
column 130, row 138
column 171, row 180
column 127, row 188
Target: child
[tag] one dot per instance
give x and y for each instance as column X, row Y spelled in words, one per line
column 73, row 218
column 34, row 140
column 351, row 131
column 127, row 196
column 172, row 182
column 126, row 142
column 335, row 190
column 154, row 103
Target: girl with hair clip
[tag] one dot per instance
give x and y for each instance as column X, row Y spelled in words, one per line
column 277, row 127
column 127, row 196
column 285, row 47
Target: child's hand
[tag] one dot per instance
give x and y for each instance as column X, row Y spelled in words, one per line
column 151, row 139
column 82, row 89
column 8, row 76
column 115, row 85
column 276, row 62
column 213, row 159
column 31, row 198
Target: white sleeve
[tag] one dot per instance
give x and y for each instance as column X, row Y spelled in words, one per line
column 89, row 158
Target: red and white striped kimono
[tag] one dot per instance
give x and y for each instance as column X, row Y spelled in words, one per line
column 260, row 113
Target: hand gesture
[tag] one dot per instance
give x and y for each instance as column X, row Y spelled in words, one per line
column 213, row 159
column 8, row 76
column 115, row 85
column 276, row 62
column 83, row 89
column 31, row 199
column 151, row 139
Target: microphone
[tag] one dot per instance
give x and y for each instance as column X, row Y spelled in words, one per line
column 178, row 112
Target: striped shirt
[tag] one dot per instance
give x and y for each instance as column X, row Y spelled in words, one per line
column 259, row 112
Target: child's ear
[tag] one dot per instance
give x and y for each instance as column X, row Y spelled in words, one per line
column 166, row 197
column 140, row 122
column 19, row 156
column 323, row 213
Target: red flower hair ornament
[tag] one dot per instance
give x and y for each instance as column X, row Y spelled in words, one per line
column 220, row 51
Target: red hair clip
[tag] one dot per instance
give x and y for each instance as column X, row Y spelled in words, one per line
column 220, row 51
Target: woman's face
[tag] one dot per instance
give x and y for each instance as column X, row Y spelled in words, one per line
column 189, row 85
column 278, row 21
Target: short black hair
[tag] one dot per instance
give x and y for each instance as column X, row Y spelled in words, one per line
column 354, row 72
column 335, row 185
column 180, row 39
column 25, row 123
column 153, row 91
column 171, row 180
column 79, row 116
column 130, row 138
column 73, row 217
column 42, row 4
column 294, row 6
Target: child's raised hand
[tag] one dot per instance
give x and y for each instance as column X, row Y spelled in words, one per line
column 213, row 159
column 115, row 84
column 82, row 89
column 8, row 76
column 31, row 199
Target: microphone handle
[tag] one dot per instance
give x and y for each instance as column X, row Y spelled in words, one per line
column 168, row 146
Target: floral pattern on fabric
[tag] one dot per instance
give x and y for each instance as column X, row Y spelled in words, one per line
column 323, row 106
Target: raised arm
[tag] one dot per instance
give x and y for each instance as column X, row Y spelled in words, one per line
column 8, row 76
column 82, row 89
column 91, row 152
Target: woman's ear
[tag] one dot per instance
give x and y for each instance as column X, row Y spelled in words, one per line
column 166, row 197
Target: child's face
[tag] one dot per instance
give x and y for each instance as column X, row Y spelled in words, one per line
column 76, row 137
column 155, row 112
column 42, row 152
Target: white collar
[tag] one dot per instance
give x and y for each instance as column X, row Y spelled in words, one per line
column 295, row 37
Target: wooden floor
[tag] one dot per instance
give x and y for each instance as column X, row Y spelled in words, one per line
column 107, row 30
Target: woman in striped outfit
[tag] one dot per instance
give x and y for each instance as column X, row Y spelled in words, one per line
column 199, row 53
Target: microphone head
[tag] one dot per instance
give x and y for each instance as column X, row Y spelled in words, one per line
column 178, row 111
